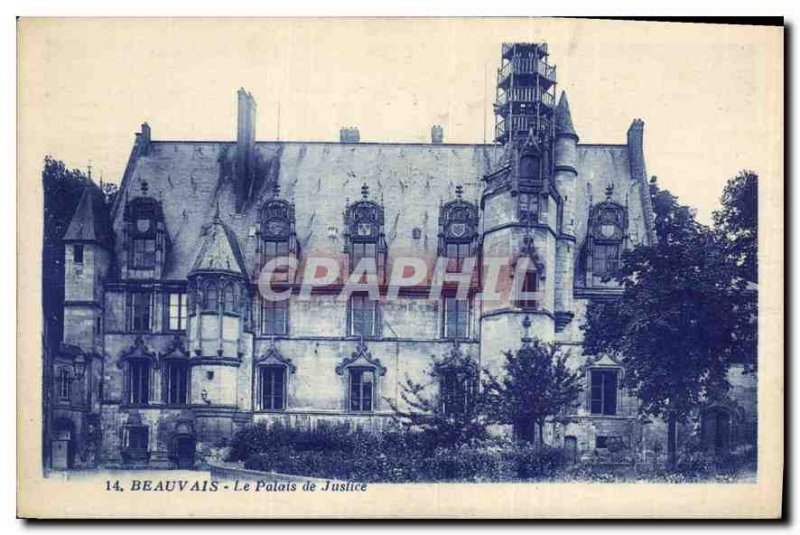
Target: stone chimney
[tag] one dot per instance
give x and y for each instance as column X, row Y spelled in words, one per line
column 349, row 134
column 143, row 139
column 245, row 147
column 437, row 134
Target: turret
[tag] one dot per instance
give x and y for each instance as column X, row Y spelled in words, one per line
column 565, row 176
column 218, row 304
column 77, row 367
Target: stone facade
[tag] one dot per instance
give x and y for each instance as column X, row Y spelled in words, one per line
column 167, row 349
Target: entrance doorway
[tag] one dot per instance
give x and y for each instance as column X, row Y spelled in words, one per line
column 185, row 450
column 716, row 429
column 571, row 449
column 62, row 444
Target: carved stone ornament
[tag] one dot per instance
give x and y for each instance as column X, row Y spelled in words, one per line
column 361, row 357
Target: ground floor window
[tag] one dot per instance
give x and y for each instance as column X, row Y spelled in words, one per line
column 135, row 441
column 456, row 390
column 362, row 389
column 176, row 382
column 603, row 384
column 272, row 385
column 138, row 381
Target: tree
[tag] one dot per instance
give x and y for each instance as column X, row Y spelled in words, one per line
column 737, row 222
column 453, row 414
column 62, row 191
column 536, row 385
column 674, row 325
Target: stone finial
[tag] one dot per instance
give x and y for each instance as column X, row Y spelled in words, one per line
column 459, row 191
column 364, row 191
column 609, row 191
column 144, row 186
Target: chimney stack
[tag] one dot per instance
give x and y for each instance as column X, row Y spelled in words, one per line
column 437, row 134
column 244, row 165
column 143, row 139
column 349, row 134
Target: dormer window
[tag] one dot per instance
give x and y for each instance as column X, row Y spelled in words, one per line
column 277, row 237
column 458, row 231
column 364, row 238
column 145, row 238
column 601, row 255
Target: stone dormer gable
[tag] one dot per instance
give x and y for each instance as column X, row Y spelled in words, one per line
column 219, row 251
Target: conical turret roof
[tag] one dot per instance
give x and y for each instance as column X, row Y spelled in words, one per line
column 89, row 223
column 563, row 118
column 219, row 251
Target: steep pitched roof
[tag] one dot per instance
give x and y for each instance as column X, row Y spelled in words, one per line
column 89, row 222
column 563, row 117
column 219, row 250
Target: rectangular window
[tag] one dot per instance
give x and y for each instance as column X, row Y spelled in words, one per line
column 140, row 311
column 77, row 253
column 456, row 391
column 361, row 389
column 135, row 442
column 456, row 253
column 138, row 382
column 363, row 316
column 275, row 317
column 273, row 388
column 528, row 208
column 64, row 384
column 456, row 318
column 362, row 250
column 601, row 442
column 176, row 307
column 530, row 285
column 144, row 253
column 176, row 382
column 603, row 384
column 605, row 259
column 277, row 249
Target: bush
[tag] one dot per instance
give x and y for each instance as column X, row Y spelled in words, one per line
column 528, row 462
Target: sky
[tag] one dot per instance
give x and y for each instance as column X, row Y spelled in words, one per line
column 711, row 96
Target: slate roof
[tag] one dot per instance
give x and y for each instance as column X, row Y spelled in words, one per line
column 89, row 223
column 411, row 179
column 563, row 117
column 219, row 251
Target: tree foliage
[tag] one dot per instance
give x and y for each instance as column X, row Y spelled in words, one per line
column 62, row 191
column 536, row 384
column 675, row 326
column 737, row 223
column 445, row 417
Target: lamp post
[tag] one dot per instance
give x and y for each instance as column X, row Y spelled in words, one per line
column 79, row 365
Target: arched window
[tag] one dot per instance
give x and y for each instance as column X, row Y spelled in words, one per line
column 211, row 297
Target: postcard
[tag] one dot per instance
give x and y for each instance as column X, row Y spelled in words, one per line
column 400, row 268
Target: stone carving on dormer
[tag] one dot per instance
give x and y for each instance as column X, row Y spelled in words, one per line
column 361, row 357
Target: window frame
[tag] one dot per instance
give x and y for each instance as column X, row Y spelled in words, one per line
column 274, row 306
column 77, row 253
column 464, row 389
column 168, row 383
column 603, row 400
column 460, row 305
column 359, row 400
column 354, row 311
column 181, row 307
column 273, row 370
column 141, row 258
column 143, row 372
column 135, row 324
column 64, row 384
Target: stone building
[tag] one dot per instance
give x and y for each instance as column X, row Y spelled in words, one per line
column 169, row 346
